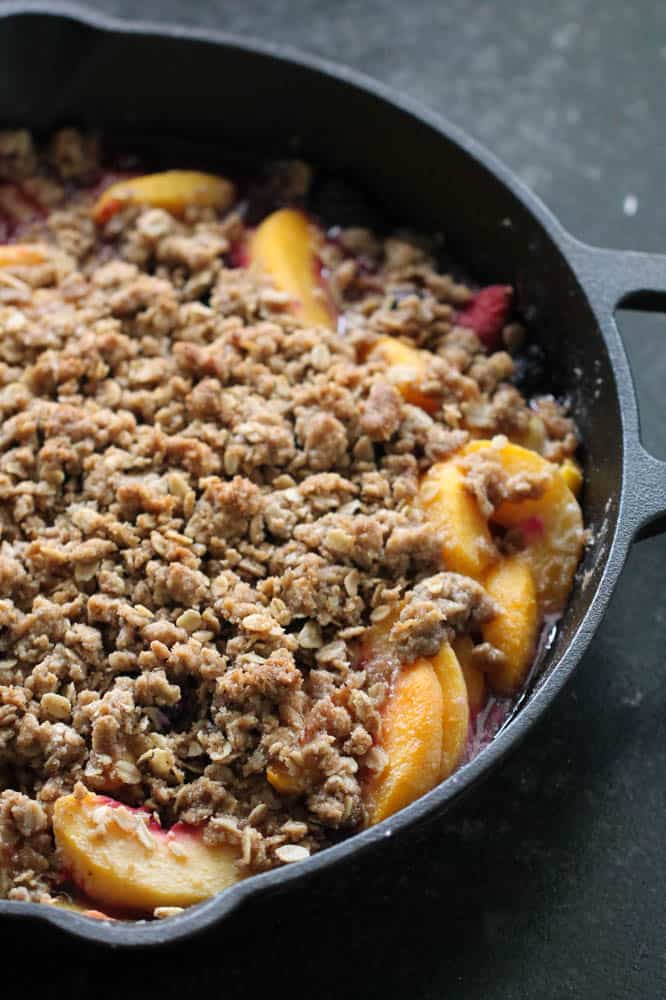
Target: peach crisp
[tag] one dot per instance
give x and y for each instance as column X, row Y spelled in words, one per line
column 281, row 531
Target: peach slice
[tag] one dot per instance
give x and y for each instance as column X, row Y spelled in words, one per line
column 467, row 546
column 534, row 438
column 21, row 254
column 282, row 781
column 551, row 526
column 474, row 677
column 285, row 246
column 572, row 474
column 514, row 630
column 425, row 729
column 172, row 190
column 412, row 738
column 408, row 367
column 455, row 708
column 118, row 857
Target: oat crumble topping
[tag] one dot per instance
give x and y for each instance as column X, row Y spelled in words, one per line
column 204, row 504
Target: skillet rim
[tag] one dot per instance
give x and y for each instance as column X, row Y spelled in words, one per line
column 576, row 256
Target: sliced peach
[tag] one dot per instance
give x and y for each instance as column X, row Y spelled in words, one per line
column 551, row 526
column 467, row 546
column 412, row 739
column 118, row 857
column 282, row 781
column 21, row 254
column 474, row 678
column 172, row 190
column 455, row 708
column 284, row 246
column 408, row 367
column 572, row 474
column 514, row 630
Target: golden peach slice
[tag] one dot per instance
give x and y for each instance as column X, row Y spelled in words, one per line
column 551, row 526
column 534, row 438
column 408, row 367
column 282, row 781
column 467, row 546
column 118, row 857
column 412, row 739
column 21, row 254
column 172, row 190
column 475, row 680
column 455, row 708
column 514, row 630
column 573, row 475
column 285, row 247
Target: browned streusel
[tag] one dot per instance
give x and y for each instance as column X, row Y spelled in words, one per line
column 487, row 479
column 204, row 504
column 435, row 610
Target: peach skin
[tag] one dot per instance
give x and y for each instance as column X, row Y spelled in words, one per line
column 172, row 190
column 284, row 246
column 118, row 857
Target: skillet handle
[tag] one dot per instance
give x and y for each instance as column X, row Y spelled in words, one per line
column 627, row 279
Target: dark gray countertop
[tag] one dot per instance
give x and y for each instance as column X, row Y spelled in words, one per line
column 550, row 882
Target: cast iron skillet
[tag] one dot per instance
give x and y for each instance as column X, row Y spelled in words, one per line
column 154, row 79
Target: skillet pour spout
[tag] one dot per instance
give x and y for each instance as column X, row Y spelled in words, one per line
column 428, row 173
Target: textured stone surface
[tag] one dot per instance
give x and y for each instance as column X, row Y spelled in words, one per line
column 550, row 881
